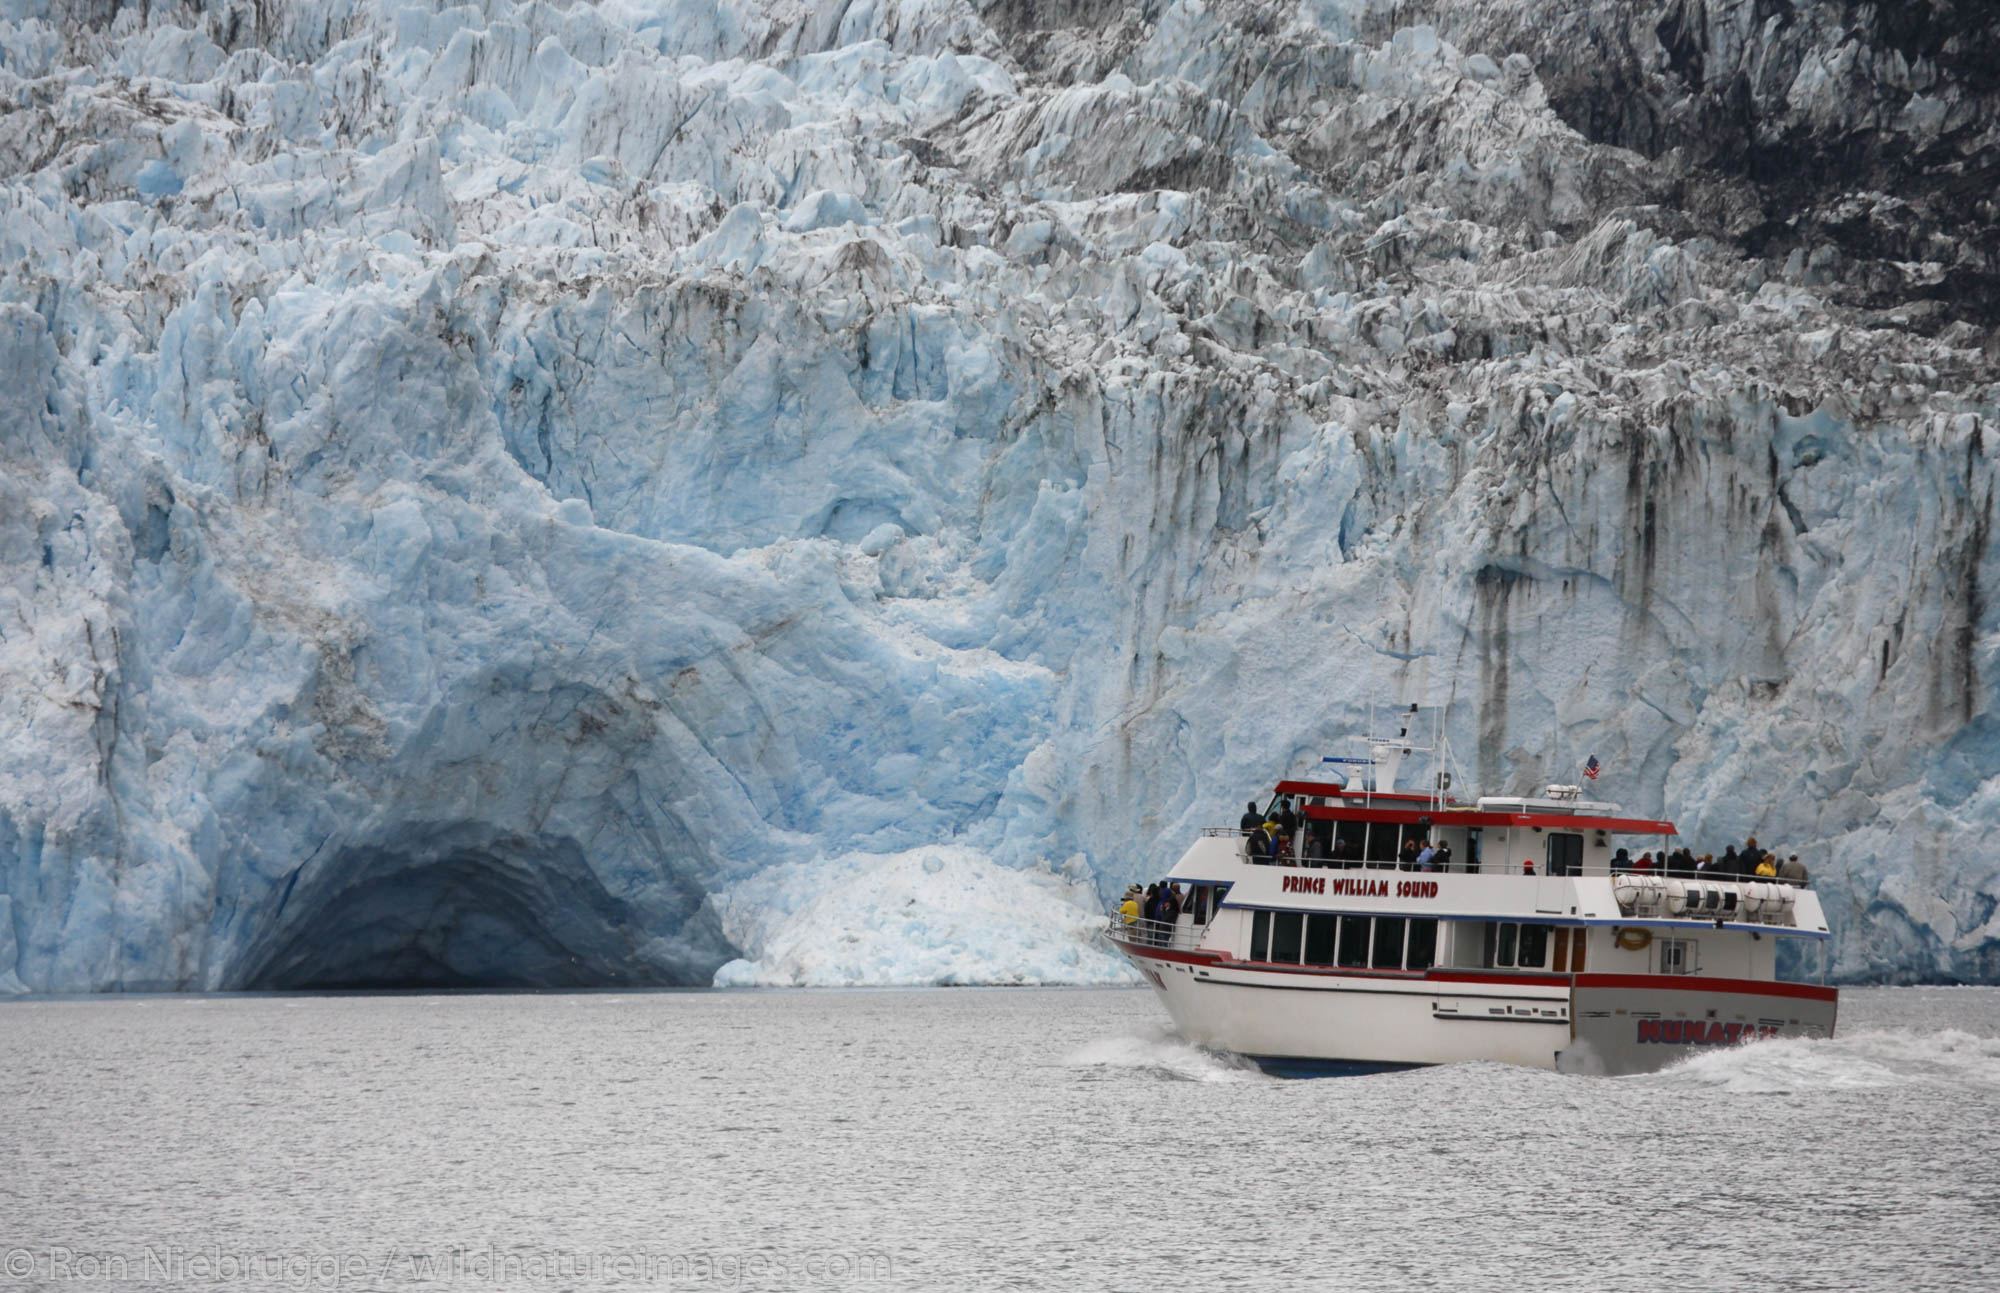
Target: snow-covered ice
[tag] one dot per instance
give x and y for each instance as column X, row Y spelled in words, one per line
column 567, row 493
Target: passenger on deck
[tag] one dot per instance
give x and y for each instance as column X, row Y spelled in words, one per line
column 1527, row 866
column 1407, row 860
column 1621, row 862
column 1747, row 860
column 1170, row 907
column 1319, row 844
column 1129, row 909
column 1156, row 911
column 1704, row 866
column 1288, row 820
column 1251, row 819
column 1793, row 872
column 1645, row 863
column 1767, row 866
column 1725, row 866
column 1427, row 858
column 1441, row 860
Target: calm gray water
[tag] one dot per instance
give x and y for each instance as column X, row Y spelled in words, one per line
column 960, row 1139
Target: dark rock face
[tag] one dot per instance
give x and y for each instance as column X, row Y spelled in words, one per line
column 1862, row 138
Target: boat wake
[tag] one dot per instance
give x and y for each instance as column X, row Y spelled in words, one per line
column 1163, row 1054
column 1869, row 1060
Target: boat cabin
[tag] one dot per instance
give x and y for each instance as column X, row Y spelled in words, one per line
column 1555, row 834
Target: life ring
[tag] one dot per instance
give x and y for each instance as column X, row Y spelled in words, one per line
column 1635, row 940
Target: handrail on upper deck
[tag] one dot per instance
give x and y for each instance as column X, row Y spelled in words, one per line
column 1459, row 866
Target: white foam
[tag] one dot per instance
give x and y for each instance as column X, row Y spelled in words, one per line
column 1163, row 1053
column 1874, row 1059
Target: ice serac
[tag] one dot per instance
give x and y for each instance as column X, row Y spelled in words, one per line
column 593, row 494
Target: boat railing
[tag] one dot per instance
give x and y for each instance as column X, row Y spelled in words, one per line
column 1140, row 932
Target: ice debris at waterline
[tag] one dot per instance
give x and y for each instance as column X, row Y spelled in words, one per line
column 563, row 493
column 940, row 915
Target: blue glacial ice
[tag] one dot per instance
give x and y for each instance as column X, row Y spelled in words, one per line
column 827, row 492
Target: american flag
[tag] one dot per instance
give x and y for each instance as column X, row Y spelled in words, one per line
column 1591, row 769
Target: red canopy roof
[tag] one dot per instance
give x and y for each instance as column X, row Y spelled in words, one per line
column 1471, row 817
column 1327, row 788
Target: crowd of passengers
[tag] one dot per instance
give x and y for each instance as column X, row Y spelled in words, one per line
column 1160, row 901
column 1748, row 863
column 1268, row 838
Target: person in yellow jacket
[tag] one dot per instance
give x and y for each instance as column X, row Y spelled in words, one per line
column 1129, row 909
column 1767, row 866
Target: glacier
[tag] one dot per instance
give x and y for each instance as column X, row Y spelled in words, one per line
column 827, row 491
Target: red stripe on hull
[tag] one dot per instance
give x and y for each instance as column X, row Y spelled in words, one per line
column 1168, row 954
column 1694, row 983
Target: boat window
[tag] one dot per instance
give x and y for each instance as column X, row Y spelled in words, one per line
column 1472, row 835
column 1383, row 837
column 1287, row 932
column 1506, row 936
column 1260, row 936
column 1677, row 956
column 1422, row 951
column 1533, row 952
column 1565, row 854
column 1353, row 941
column 1320, row 935
column 1350, row 840
column 1388, row 943
column 1471, row 943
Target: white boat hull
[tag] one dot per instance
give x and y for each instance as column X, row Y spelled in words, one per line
column 1313, row 1021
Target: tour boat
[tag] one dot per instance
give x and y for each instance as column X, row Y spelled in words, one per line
column 1530, row 948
